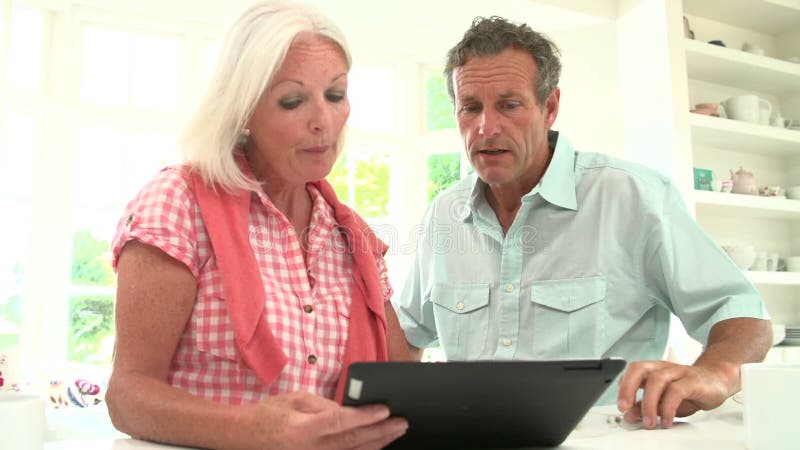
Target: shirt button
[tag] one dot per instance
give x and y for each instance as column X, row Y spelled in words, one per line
column 509, row 287
column 308, row 308
column 506, row 342
column 312, row 359
column 460, row 306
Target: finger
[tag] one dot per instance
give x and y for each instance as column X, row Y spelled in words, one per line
column 670, row 401
column 368, row 436
column 630, row 382
column 634, row 414
column 344, row 418
column 382, row 442
column 656, row 384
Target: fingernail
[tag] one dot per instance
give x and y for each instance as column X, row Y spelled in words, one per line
column 648, row 422
column 622, row 405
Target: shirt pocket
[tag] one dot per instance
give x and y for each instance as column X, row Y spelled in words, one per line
column 569, row 317
column 462, row 318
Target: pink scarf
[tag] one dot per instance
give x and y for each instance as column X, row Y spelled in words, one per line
column 226, row 217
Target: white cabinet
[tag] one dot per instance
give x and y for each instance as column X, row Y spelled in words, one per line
column 772, row 154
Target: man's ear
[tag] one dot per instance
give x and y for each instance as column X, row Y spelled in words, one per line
column 551, row 107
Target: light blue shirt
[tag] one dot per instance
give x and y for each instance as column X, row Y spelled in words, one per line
column 599, row 254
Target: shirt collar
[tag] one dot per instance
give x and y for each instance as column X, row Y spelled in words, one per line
column 557, row 186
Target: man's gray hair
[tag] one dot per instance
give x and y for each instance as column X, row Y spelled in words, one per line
column 490, row 36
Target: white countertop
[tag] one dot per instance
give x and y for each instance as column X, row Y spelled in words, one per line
column 720, row 429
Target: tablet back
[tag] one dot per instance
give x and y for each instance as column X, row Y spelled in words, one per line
column 483, row 404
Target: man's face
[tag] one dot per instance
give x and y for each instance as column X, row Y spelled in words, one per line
column 503, row 126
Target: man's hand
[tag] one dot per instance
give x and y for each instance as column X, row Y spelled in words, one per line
column 670, row 390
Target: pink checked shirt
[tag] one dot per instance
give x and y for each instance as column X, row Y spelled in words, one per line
column 307, row 305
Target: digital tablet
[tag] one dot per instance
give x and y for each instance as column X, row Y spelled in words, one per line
column 483, row 404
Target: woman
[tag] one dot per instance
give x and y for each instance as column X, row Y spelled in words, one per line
column 244, row 286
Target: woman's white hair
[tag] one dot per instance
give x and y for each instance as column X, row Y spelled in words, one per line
column 254, row 49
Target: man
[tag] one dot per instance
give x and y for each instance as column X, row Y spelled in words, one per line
column 546, row 252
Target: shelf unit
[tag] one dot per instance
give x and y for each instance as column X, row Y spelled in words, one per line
column 772, row 154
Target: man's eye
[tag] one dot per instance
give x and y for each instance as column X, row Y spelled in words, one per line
column 289, row 103
column 469, row 108
column 511, row 105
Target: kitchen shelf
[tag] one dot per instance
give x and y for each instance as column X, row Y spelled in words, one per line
column 774, row 278
column 768, row 17
column 754, row 206
column 728, row 134
column 735, row 68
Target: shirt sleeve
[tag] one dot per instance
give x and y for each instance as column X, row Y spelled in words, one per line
column 383, row 272
column 691, row 275
column 413, row 307
column 161, row 215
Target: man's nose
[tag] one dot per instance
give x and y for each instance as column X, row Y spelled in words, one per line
column 489, row 123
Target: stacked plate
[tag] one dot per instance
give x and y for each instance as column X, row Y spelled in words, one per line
column 792, row 335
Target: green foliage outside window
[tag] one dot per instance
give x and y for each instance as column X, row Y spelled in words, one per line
column 91, row 316
column 444, row 169
column 91, row 328
column 438, row 107
column 90, row 261
column 363, row 183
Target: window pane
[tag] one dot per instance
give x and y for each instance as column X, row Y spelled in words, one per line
column 91, row 328
column 371, row 185
column 91, row 304
column 362, row 182
column 106, row 67
column 444, row 169
column 98, row 166
column 144, row 154
column 17, row 146
column 155, row 78
column 111, row 165
column 438, row 107
column 371, row 93
column 25, row 46
column 13, row 241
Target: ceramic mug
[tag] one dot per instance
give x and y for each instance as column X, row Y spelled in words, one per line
column 793, row 264
column 22, row 421
column 769, row 392
column 747, row 108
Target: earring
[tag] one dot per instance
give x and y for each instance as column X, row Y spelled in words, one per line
column 244, row 138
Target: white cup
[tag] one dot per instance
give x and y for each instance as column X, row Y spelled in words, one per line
column 22, row 421
column 769, row 395
column 748, row 108
column 752, row 48
column 793, row 264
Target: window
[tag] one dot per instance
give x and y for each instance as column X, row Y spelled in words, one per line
column 25, row 48
column 444, row 160
column 123, row 69
column 111, row 165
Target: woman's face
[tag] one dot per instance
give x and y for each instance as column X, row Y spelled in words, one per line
column 297, row 122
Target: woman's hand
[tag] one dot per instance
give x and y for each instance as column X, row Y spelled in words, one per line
column 301, row 420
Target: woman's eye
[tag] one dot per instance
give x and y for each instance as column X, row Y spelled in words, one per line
column 334, row 97
column 291, row 103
